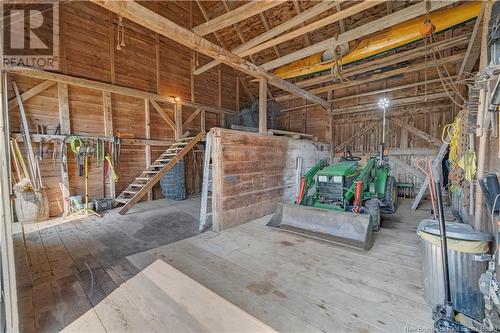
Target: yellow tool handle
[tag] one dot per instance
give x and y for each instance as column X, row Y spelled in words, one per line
column 113, row 173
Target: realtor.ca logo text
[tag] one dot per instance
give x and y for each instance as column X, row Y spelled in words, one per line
column 31, row 34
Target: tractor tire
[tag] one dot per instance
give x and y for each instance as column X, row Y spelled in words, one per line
column 373, row 208
column 389, row 203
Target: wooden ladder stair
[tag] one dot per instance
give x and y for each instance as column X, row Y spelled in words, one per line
column 152, row 175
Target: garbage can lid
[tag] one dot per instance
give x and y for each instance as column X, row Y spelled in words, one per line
column 454, row 230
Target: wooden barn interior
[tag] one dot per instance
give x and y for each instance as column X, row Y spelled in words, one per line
column 174, row 166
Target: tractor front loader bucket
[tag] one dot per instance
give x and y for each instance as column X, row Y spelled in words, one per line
column 351, row 229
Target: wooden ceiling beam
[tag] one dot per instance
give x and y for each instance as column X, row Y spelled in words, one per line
column 267, row 26
column 342, row 25
column 279, row 29
column 390, row 60
column 236, row 27
column 298, row 10
column 380, row 76
column 157, row 23
column 219, row 40
column 371, row 93
column 239, row 14
column 403, row 111
column 426, row 98
column 474, row 47
column 335, row 17
column 356, row 33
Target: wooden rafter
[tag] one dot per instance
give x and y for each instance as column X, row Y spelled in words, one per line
column 390, row 60
column 474, row 47
column 298, row 10
column 242, row 39
column 373, row 92
column 384, row 75
column 342, row 24
column 267, row 26
column 335, row 17
column 239, row 14
column 404, row 111
column 356, row 33
column 277, row 30
column 221, row 43
column 396, row 102
column 157, row 23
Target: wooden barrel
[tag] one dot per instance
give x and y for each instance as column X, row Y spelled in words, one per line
column 32, row 206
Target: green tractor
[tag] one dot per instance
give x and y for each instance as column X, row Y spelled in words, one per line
column 341, row 202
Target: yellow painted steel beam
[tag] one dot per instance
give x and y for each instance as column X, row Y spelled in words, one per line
column 394, row 37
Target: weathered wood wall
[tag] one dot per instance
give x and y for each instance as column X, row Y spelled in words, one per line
column 253, row 172
column 147, row 62
column 357, row 123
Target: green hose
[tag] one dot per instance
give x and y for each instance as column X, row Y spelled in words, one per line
column 75, row 143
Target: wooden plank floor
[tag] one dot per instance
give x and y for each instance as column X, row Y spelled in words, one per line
column 65, row 268
column 296, row 284
column 73, row 269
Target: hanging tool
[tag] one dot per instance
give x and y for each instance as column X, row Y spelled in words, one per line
column 54, row 148
column 444, row 315
column 111, row 168
column 97, row 152
column 34, row 168
column 41, row 129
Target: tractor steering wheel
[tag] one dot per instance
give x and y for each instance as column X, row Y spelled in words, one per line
column 351, row 158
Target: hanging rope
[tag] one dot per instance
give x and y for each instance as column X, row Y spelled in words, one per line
column 120, row 36
column 336, row 70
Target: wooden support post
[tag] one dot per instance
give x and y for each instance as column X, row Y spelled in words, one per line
column 202, row 121
column 237, row 93
column 178, row 120
column 483, row 116
column 147, row 148
column 9, row 290
column 62, row 96
column 262, row 106
column 108, row 131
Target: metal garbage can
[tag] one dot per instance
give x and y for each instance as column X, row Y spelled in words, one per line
column 467, row 260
